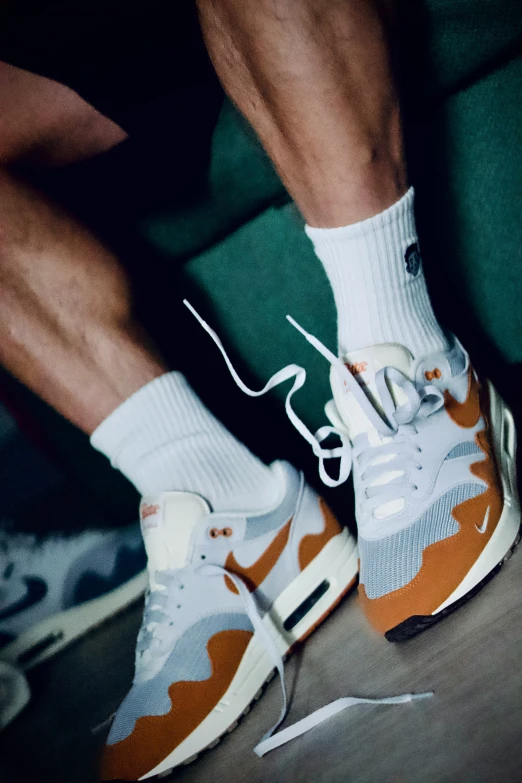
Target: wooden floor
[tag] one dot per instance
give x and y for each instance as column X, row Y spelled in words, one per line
column 470, row 732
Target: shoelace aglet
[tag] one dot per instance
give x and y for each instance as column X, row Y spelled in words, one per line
column 298, row 326
column 317, row 344
column 418, row 696
column 195, row 313
column 404, row 698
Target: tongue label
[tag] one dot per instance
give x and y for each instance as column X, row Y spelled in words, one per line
column 363, row 371
column 150, row 515
column 358, row 367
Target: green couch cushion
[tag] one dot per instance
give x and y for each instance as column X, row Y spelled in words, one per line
column 241, row 183
column 470, row 197
column 462, row 39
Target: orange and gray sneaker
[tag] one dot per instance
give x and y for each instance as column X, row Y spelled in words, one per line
column 432, row 450
column 230, row 593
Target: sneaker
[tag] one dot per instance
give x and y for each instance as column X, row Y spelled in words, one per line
column 433, row 451
column 14, row 693
column 54, row 591
column 224, row 589
column 432, row 448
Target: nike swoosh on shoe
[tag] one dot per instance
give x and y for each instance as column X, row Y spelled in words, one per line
column 254, row 575
column 482, row 528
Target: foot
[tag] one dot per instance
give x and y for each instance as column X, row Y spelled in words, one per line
column 433, row 451
column 53, row 592
column 199, row 661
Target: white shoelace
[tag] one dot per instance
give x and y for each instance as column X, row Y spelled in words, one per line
column 389, row 425
column 395, row 422
column 299, row 375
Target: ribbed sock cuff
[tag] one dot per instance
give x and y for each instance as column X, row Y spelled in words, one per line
column 163, row 438
column 376, row 274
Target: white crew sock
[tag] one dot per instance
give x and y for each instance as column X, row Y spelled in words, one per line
column 379, row 287
column 163, row 438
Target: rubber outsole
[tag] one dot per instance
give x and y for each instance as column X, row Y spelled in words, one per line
column 418, row 623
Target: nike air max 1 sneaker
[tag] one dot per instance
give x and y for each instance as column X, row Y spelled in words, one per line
column 432, row 450
column 433, row 453
column 55, row 590
column 225, row 588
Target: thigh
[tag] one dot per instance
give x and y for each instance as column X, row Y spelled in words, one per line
column 120, row 57
column 44, row 123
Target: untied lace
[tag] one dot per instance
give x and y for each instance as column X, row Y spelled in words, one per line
column 158, row 613
column 395, row 421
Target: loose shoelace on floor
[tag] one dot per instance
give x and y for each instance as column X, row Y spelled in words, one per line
column 270, row 741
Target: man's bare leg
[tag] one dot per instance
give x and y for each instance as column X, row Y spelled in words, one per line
column 314, row 79
column 44, row 123
column 68, row 330
column 66, row 326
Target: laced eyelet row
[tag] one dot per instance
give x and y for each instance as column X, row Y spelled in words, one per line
column 216, row 532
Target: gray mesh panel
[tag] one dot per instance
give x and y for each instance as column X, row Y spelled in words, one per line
column 188, row 661
column 390, row 563
column 463, row 449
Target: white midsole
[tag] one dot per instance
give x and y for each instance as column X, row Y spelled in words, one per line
column 506, row 532
column 338, row 563
column 72, row 623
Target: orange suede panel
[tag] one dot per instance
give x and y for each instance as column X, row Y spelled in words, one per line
column 255, row 574
column 312, row 544
column 446, row 563
column 465, row 414
column 155, row 737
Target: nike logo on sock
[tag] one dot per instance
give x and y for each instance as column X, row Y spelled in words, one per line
column 35, row 592
column 482, row 528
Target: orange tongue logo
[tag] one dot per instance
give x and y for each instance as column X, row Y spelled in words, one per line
column 148, row 511
column 357, row 367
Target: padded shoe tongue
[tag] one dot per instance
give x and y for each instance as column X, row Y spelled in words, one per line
column 167, row 524
column 364, row 365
